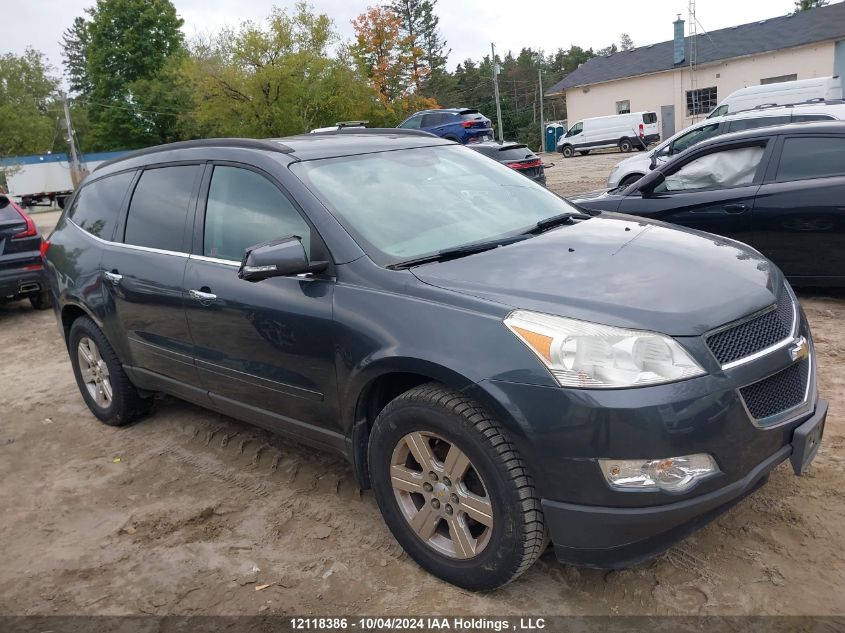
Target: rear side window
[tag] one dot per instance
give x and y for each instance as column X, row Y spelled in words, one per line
column 750, row 124
column 801, row 118
column 812, row 157
column 98, row 204
column 159, row 207
column 436, row 118
column 649, row 118
column 245, row 209
column 413, row 123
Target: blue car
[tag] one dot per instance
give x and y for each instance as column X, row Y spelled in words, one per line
column 462, row 125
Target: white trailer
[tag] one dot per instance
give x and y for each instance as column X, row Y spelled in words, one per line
column 45, row 178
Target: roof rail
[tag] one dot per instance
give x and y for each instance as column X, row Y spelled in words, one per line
column 245, row 143
column 376, row 130
column 814, row 101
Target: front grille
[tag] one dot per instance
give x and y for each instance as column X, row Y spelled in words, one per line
column 779, row 392
column 754, row 335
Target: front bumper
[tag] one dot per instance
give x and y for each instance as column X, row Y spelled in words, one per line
column 611, row 537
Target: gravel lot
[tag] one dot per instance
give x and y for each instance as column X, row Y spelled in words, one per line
column 190, row 512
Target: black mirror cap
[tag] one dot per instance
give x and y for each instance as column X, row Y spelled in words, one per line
column 277, row 258
column 650, row 181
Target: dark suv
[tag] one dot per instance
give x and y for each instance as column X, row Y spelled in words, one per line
column 500, row 368
column 21, row 271
column 462, row 125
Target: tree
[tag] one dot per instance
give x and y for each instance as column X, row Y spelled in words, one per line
column 275, row 79
column 114, row 59
column 377, row 51
column 74, row 51
column 625, row 42
column 28, row 117
column 804, row 5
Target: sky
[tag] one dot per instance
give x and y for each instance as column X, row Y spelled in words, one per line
column 469, row 26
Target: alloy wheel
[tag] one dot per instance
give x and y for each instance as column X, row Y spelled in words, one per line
column 95, row 372
column 441, row 495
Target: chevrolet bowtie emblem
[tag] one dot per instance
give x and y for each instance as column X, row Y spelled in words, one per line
column 800, row 349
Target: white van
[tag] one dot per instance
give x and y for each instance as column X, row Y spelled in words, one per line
column 783, row 93
column 625, row 131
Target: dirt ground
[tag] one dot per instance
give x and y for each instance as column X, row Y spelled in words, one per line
column 190, row 512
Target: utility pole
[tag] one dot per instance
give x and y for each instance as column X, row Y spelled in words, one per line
column 542, row 115
column 496, row 91
column 76, row 172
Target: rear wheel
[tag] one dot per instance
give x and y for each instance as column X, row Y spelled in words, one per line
column 567, row 151
column 41, row 301
column 625, row 145
column 453, row 489
column 104, row 385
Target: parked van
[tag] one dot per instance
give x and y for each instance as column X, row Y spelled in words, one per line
column 783, row 93
column 631, row 169
column 625, row 131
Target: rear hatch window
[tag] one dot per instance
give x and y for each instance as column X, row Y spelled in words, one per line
column 515, row 152
column 649, row 118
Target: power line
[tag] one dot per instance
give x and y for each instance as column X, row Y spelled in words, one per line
column 128, row 109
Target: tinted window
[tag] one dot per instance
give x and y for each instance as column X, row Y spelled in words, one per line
column 245, row 209
column 799, row 118
column 575, row 129
column 695, row 136
column 159, row 207
column 436, row 118
column 413, row 123
column 812, row 157
column 649, row 118
column 98, row 204
column 750, row 124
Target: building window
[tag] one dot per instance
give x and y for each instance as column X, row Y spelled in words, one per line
column 701, row 101
column 623, row 107
column 777, row 80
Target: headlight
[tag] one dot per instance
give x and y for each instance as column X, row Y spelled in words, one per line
column 592, row 356
column 673, row 474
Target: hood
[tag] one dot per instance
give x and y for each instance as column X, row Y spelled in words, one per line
column 622, row 271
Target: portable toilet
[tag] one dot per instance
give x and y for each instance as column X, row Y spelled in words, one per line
column 553, row 132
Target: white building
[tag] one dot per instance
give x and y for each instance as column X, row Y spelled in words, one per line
column 657, row 77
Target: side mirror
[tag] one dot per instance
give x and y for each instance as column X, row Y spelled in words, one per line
column 277, row 258
column 650, row 182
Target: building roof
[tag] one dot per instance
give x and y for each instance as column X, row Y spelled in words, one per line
column 789, row 31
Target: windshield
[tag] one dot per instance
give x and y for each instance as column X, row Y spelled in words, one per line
column 406, row 204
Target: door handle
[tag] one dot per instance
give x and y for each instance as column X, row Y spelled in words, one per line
column 204, row 298
column 113, row 277
column 735, row 208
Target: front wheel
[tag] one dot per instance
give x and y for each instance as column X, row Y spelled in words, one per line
column 630, row 180
column 567, row 151
column 453, row 489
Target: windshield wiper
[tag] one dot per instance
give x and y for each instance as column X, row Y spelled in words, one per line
column 556, row 220
column 457, row 251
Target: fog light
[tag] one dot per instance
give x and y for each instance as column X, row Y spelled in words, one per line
column 672, row 474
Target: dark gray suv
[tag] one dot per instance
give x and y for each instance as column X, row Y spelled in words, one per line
column 500, row 368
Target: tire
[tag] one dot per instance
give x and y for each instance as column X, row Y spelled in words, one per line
column 584, row 152
column 126, row 403
column 567, row 151
column 629, row 180
column 625, row 145
column 497, row 520
column 42, row 300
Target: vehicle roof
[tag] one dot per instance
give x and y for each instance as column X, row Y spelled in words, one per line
column 348, row 142
column 614, row 116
